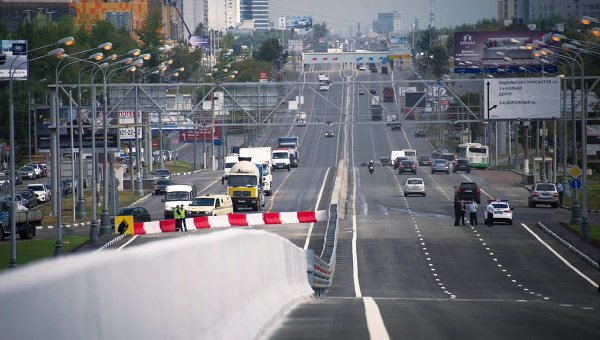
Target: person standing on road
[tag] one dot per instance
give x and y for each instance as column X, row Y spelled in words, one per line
column 182, row 215
column 560, row 190
column 177, row 218
column 489, row 211
column 472, row 209
column 459, row 212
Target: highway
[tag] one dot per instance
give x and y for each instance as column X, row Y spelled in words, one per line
column 403, row 270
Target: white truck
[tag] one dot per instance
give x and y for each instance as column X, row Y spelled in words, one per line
column 281, row 159
column 229, row 162
column 264, row 157
column 292, row 144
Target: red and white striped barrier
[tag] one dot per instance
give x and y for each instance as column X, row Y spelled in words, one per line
column 231, row 220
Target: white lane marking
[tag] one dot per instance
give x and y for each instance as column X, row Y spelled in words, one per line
column 125, row 245
column 277, row 191
column 210, row 185
column 375, row 323
column 357, row 291
column 560, row 257
column 310, row 228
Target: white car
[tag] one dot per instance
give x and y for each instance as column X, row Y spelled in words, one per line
column 414, row 186
column 362, row 67
column 41, row 191
column 502, row 211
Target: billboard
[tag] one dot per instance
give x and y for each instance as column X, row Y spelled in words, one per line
column 415, row 99
column 13, row 52
column 522, row 98
column 295, row 22
column 199, row 40
column 490, row 48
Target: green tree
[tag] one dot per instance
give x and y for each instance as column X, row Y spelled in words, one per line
column 271, row 51
column 150, row 35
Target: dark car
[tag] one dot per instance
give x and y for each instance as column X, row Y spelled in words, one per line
column 385, row 161
column 440, row 165
column 407, row 166
column 396, row 126
column 29, row 198
column 467, row 191
column 373, row 91
column 140, row 214
column 162, row 173
column 67, row 187
column 420, row 133
column 398, row 160
column 462, row 164
column 160, row 185
column 424, row 160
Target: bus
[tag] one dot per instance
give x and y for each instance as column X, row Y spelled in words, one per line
column 477, row 154
column 443, row 154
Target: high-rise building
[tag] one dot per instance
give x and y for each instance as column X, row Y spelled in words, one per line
column 388, row 22
column 223, row 14
column 194, row 12
column 257, row 11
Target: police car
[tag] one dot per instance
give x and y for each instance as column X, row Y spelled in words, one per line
column 502, row 211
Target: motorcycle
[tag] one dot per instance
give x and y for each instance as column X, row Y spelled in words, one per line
column 371, row 169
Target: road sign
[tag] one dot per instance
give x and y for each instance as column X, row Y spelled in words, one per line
column 575, row 184
column 575, row 171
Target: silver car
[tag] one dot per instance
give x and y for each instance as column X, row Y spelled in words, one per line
column 414, row 186
column 440, row 165
column 543, row 193
column 27, row 172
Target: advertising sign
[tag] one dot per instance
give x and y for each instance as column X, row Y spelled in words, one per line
column 296, row 22
column 416, row 99
column 128, row 133
column 199, row 40
column 13, row 52
column 204, row 135
column 490, row 48
column 522, row 98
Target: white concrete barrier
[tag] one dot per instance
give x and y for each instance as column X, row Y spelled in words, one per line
column 225, row 285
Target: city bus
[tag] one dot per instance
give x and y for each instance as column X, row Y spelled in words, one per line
column 477, row 154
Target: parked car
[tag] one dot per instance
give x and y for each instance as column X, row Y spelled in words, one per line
column 27, row 172
column 424, row 160
column 29, row 198
column 5, row 177
column 44, row 167
column 467, row 191
column 440, row 165
column 140, row 214
column 67, row 187
column 414, row 186
column 42, row 191
column 462, row 164
column 407, row 166
column 37, row 168
column 543, row 193
column 161, row 174
column 160, row 185
column 502, row 211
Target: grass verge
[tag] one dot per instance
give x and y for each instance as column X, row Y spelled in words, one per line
column 34, row 250
column 593, row 193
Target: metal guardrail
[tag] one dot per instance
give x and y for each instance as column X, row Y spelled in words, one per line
column 321, row 268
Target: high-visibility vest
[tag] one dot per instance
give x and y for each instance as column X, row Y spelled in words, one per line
column 176, row 213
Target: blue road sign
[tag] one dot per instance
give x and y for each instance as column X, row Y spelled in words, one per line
column 575, row 184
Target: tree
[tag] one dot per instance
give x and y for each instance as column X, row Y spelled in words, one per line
column 150, row 35
column 271, row 51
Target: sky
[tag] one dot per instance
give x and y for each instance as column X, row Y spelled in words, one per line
column 342, row 16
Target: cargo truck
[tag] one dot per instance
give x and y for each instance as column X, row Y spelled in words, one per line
column 264, row 157
column 388, row 94
column 25, row 221
column 244, row 186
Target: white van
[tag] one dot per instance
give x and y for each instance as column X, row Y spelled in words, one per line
column 177, row 194
column 210, row 205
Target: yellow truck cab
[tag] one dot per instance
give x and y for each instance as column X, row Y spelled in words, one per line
column 210, row 205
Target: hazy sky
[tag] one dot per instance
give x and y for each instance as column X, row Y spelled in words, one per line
column 346, row 14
